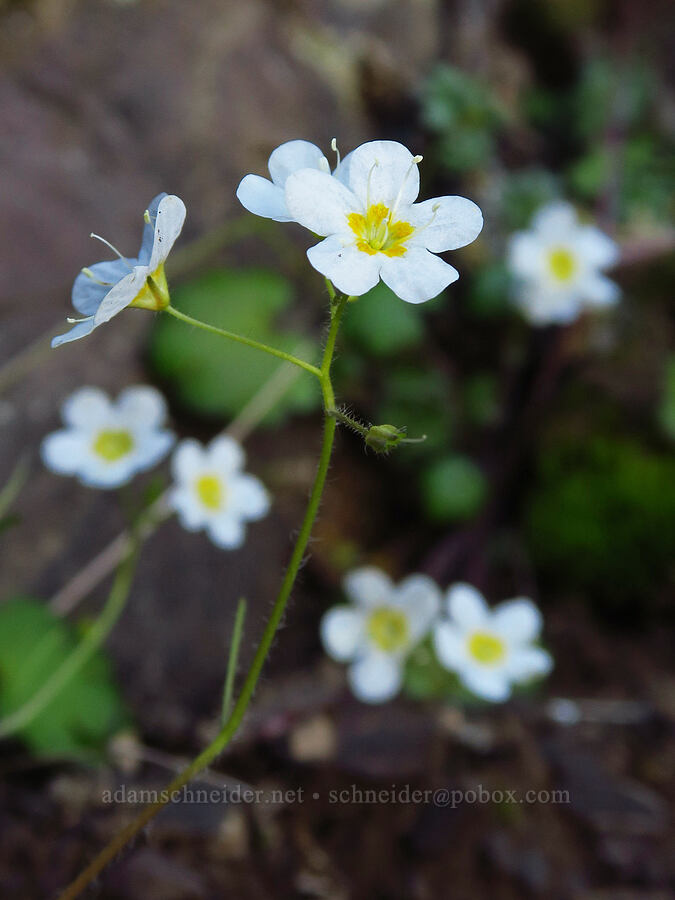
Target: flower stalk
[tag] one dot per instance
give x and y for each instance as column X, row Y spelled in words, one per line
column 234, row 720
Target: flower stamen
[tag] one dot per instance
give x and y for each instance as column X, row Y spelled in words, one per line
column 114, row 249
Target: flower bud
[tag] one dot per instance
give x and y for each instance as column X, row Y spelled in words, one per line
column 383, row 438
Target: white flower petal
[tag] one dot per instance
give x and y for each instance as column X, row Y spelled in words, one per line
column 383, row 172
column 466, row 606
column 99, row 474
column 120, row 296
column 368, row 587
column 188, row 459
column 226, row 532
column 543, row 306
column 151, row 447
column 293, row 156
column 87, row 408
column 190, row 511
column 375, row 678
column 80, row 330
column 342, row 632
column 420, row 596
column 88, row 292
column 248, row 497
column 142, row 406
column 168, row 225
column 262, row 198
column 525, row 663
column 525, row 255
column 320, row 202
column 599, row 291
column 517, row 620
column 63, row 451
column 444, row 223
column 418, row 276
column 486, row 683
column 225, row 455
column 599, row 251
column 450, row 646
column 351, row 271
column 148, row 240
column 555, row 220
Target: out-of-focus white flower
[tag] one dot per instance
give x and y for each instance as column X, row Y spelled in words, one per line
column 490, row 649
column 558, row 266
column 105, row 443
column 266, row 198
column 106, row 288
column 374, row 229
column 379, row 629
column 211, row 492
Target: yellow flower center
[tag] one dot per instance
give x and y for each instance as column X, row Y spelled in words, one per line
column 388, row 629
column 486, row 648
column 210, row 491
column 562, row 264
column 112, row 445
column 154, row 294
column 376, row 232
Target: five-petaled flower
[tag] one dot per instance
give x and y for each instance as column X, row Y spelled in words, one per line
column 106, row 288
column 106, row 443
column 372, row 226
column 557, row 266
column 379, row 630
column 212, row 492
column 490, row 650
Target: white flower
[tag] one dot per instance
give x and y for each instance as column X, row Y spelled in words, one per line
column 558, row 266
column 377, row 632
column 374, row 229
column 106, row 443
column 212, row 492
column 266, row 198
column 106, row 288
column 490, row 649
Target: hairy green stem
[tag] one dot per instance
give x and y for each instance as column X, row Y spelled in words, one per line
column 82, row 653
column 240, row 339
column 237, row 634
column 231, row 726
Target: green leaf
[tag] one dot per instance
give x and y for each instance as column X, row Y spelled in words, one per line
column 214, row 377
column 421, row 402
column 380, row 324
column 667, row 410
column 523, row 193
column 85, row 714
column 453, row 488
column 490, row 291
column 424, row 678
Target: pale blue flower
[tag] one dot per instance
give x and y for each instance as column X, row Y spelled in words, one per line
column 106, row 288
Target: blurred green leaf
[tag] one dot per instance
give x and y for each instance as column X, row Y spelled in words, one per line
column 419, row 400
column 214, row 377
column 481, row 399
column 523, row 193
column 601, row 520
column 590, row 175
column 490, row 290
column 380, row 324
column 425, row 679
column 85, row 714
column 464, row 115
column 667, row 408
column 454, row 488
